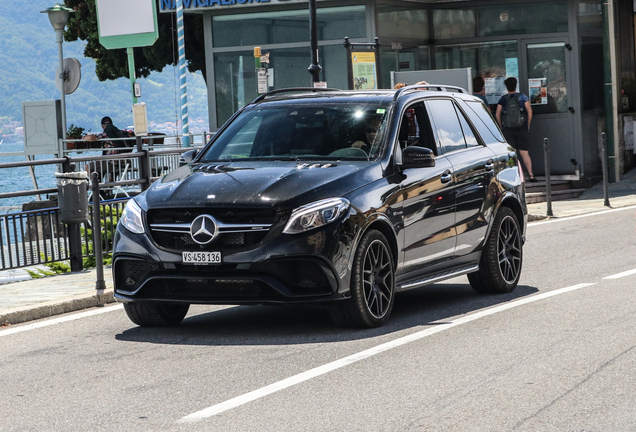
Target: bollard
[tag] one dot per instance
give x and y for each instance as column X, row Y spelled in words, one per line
column 144, row 164
column 100, row 284
column 548, row 183
column 606, row 203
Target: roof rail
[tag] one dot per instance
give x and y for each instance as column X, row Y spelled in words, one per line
column 438, row 87
column 292, row 89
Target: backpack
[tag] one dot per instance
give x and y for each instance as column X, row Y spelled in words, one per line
column 514, row 118
column 124, row 143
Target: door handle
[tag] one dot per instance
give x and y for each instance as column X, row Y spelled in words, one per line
column 446, row 177
column 571, row 110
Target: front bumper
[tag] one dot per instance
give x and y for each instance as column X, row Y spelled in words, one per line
column 291, row 280
column 298, row 268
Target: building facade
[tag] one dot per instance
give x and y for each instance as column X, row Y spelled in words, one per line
column 554, row 48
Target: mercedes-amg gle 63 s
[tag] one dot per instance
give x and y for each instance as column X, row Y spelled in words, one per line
column 335, row 198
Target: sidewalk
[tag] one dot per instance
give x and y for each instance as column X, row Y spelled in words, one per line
column 28, row 300
column 621, row 194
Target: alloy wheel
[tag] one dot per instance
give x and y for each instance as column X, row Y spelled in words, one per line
column 377, row 279
column 509, row 250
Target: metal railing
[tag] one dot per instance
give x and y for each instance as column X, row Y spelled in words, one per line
column 35, row 237
column 32, row 237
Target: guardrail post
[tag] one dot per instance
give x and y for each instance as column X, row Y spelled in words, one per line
column 144, row 164
column 100, row 284
column 548, row 182
column 603, row 155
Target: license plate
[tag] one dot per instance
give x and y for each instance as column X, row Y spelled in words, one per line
column 201, row 258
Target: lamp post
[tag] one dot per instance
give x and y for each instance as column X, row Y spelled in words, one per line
column 58, row 15
column 314, row 68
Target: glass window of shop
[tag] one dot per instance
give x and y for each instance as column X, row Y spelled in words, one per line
column 590, row 15
column 501, row 20
column 406, row 59
column 290, row 26
column 404, row 33
column 235, row 75
column 491, row 60
column 402, row 24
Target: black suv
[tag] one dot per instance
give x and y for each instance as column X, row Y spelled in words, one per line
column 339, row 198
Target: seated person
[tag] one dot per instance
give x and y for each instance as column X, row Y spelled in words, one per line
column 107, row 170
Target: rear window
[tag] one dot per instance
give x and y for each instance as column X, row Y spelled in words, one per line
column 484, row 122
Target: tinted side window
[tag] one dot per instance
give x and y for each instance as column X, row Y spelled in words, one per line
column 471, row 139
column 415, row 129
column 449, row 130
column 483, row 121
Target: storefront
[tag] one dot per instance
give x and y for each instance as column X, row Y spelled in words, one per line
column 554, row 48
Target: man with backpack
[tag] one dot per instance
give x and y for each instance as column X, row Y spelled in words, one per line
column 110, row 169
column 517, row 116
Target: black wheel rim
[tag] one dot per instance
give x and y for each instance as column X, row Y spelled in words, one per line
column 377, row 279
column 509, row 250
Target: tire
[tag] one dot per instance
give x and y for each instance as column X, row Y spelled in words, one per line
column 372, row 285
column 502, row 257
column 156, row 314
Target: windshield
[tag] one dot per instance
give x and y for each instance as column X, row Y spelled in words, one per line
column 307, row 132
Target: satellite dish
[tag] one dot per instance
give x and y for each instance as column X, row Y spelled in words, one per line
column 72, row 75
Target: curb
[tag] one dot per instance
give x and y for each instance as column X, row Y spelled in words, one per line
column 534, row 218
column 57, row 307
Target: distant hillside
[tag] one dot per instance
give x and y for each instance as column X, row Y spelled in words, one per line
column 29, row 59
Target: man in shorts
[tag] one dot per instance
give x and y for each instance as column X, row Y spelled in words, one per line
column 517, row 137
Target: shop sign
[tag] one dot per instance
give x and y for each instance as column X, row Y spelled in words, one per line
column 171, row 5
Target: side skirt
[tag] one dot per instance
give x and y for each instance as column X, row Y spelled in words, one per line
column 436, row 277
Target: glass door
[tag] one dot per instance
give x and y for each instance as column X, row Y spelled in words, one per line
column 548, row 86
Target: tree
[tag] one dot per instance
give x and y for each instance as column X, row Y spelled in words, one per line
column 113, row 64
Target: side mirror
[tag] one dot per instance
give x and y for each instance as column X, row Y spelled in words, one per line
column 187, row 157
column 417, row 157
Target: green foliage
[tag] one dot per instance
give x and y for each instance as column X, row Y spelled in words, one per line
column 110, row 217
column 59, row 267
column 75, row 132
column 40, row 273
column 113, row 64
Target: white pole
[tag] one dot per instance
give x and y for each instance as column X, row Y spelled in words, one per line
column 182, row 75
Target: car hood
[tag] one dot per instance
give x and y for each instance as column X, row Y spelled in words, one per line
column 277, row 184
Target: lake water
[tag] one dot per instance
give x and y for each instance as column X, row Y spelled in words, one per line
column 18, row 179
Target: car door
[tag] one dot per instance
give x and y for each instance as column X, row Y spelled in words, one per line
column 428, row 199
column 473, row 169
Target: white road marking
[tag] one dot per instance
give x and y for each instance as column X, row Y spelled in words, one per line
column 620, row 275
column 13, row 330
column 321, row 370
column 563, row 219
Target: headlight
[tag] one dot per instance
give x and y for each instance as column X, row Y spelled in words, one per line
column 131, row 218
column 315, row 215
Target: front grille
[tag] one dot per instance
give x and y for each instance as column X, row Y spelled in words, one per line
column 226, row 215
column 253, row 227
column 209, row 290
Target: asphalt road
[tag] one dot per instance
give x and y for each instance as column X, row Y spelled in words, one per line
column 557, row 354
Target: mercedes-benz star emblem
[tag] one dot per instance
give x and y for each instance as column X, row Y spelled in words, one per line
column 203, row 229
